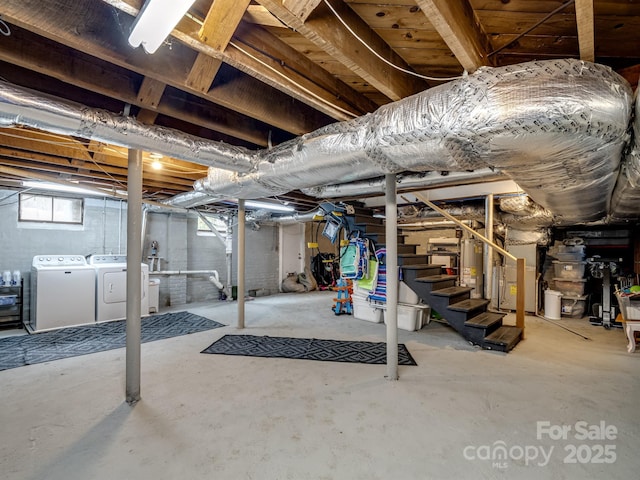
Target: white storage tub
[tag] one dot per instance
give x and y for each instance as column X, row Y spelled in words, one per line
column 412, row 317
column 363, row 309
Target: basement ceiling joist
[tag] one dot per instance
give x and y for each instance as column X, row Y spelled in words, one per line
column 257, row 73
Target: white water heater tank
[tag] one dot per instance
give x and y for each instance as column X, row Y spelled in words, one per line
column 471, row 264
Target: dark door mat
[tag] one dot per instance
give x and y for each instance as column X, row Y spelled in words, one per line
column 71, row 342
column 308, row 349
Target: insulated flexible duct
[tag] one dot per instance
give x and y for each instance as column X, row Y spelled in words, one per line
column 625, row 202
column 21, row 106
column 555, row 127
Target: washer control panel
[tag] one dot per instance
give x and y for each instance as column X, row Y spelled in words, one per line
column 58, row 260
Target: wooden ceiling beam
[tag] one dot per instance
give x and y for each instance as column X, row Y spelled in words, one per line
column 27, row 51
column 327, row 32
column 459, row 27
column 150, row 92
column 216, row 31
column 586, row 37
column 99, row 38
column 259, row 67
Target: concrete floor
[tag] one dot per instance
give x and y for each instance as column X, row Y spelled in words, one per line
column 225, row 417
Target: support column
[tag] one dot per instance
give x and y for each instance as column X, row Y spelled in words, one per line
column 241, row 256
column 134, row 275
column 391, row 315
column 488, row 251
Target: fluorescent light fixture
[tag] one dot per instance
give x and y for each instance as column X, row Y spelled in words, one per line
column 156, row 20
column 59, row 187
column 274, row 207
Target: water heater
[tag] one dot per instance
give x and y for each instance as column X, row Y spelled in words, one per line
column 471, row 264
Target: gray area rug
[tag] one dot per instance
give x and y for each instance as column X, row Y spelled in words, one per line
column 70, row 342
column 308, row 349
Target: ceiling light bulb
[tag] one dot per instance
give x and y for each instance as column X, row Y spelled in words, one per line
column 156, row 165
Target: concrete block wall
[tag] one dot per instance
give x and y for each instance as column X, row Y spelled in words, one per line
column 182, row 248
column 104, row 231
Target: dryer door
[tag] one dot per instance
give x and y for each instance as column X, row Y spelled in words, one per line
column 114, row 287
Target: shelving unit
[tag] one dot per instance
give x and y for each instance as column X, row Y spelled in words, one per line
column 11, row 311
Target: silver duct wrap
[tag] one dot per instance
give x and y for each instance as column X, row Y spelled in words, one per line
column 526, row 214
column 21, row 106
column 555, row 127
column 404, row 182
column 625, row 202
column 514, row 236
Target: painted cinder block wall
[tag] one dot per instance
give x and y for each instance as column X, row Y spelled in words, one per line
column 104, row 231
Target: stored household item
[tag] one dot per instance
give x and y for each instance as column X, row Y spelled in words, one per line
column 570, row 286
column 574, row 305
column 6, row 277
column 11, row 305
column 111, row 287
column 571, row 270
column 552, row 304
column 364, row 309
column 412, row 317
column 154, row 295
column 16, row 278
column 630, row 310
column 63, row 292
column 407, row 295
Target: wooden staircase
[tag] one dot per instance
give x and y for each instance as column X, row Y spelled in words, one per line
column 468, row 316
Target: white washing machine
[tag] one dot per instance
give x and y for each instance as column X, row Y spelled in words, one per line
column 62, row 292
column 111, row 287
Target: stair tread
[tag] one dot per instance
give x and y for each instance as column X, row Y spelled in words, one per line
column 484, row 320
column 451, row 291
column 436, row 278
column 469, row 305
column 505, row 335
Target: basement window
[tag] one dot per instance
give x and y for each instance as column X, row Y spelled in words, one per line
column 50, row 209
column 218, row 223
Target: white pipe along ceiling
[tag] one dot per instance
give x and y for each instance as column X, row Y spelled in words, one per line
column 557, row 128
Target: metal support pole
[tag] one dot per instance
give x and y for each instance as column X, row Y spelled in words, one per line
column 488, row 251
column 241, row 256
column 391, row 242
column 521, row 266
column 134, row 275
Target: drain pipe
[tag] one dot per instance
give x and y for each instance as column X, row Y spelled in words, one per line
column 391, row 242
column 134, row 276
column 488, row 251
column 241, row 256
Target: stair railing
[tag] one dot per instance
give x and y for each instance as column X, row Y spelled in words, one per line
column 520, row 262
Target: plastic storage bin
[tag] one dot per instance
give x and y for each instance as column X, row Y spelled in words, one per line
column 412, row 317
column 8, row 299
column 406, row 295
column 571, row 270
column 574, row 306
column 570, row 287
column 363, row 309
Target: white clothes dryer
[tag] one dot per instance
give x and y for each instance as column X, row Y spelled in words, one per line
column 111, row 287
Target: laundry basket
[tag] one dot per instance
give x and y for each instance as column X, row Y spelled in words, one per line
column 629, row 306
